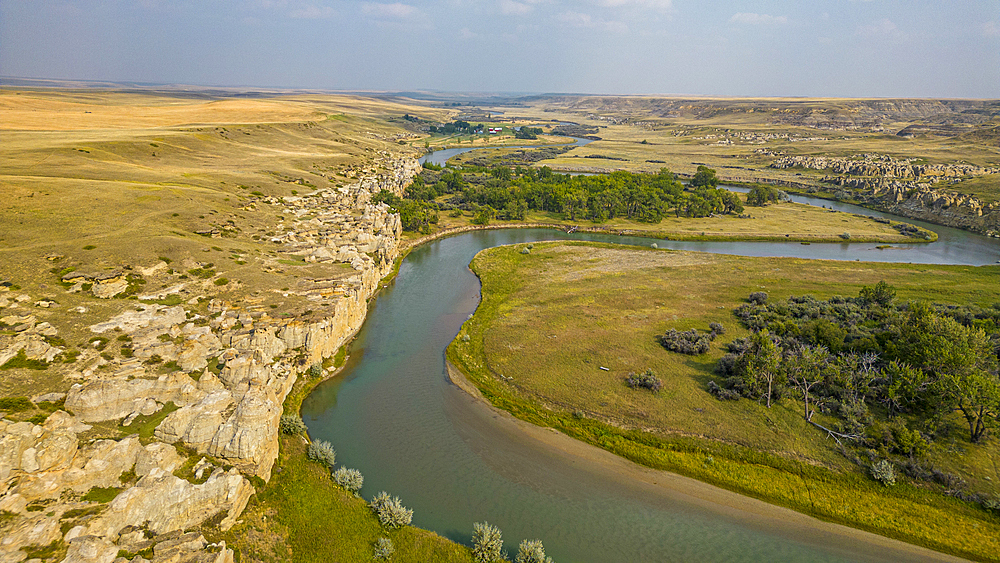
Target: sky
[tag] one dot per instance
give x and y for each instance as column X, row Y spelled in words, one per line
column 841, row 48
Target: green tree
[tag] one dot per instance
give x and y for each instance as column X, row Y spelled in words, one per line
column 483, row 215
column 762, row 359
column 704, row 177
column 881, row 294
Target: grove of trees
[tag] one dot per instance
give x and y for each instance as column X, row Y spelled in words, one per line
column 508, row 194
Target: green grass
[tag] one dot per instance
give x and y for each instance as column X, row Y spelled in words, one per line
column 145, row 425
column 551, row 318
column 301, row 516
column 102, row 494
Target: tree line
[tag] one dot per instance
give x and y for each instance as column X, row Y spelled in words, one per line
column 508, row 194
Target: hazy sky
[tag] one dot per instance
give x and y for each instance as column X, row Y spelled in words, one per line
column 884, row 48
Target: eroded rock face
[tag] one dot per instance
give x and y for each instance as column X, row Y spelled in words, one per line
column 100, row 464
column 111, row 399
column 166, row 503
column 232, row 416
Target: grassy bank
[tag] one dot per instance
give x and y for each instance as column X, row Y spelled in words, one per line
column 301, row 516
column 552, row 318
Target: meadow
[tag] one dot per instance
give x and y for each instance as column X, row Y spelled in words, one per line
column 561, row 326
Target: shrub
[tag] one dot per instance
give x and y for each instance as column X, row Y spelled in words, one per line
column 316, row 369
column 531, row 551
column 384, row 549
column 390, row 511
column 487, row 543
column 717, row 328
column 883, row 472
column 322, row 452
column 646, row 380
column 291, row 424
column 350, row 479
column 758, row 298
column 687, row 342
column 721, row 393
column 15, row 404
column 845, row 235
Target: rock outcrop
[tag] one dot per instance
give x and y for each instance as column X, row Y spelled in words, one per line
column 907, row 189
column 232, row 372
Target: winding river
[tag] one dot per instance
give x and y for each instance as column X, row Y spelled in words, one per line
column 394, row 415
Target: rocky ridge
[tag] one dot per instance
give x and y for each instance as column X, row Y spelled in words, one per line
column 222, row 403
column 907, row 189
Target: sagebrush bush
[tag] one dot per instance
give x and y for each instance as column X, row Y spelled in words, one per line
column 717, row 328
column 644, row 380
column 883, row 472
column 531, row 551
column 384, row 549
column 487, row 543
column 350, row 479
column 758, row 298
column 687, row 342
column 291, row 424
column 390, row 511
column 323, row 452
column 721, row 393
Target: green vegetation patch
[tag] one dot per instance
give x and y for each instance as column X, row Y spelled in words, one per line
column 301, row 503
column 15, row 404
column 102, row 494
column 21, row 361
column 576, row 308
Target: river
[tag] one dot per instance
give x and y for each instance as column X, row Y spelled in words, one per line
column 395, row 416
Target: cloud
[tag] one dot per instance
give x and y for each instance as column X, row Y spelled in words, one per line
column 466, row 33
column 579, row 19
column 881, row 28
column 751, row 18
column 655, row 4
column 312, row 12
column 990, row 29
column 510, row 7
column 396, row 10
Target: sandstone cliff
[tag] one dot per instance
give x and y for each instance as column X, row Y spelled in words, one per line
column 234, row 369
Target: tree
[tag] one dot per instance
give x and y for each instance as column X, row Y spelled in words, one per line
column 704, row 178
column 881, row 294
column 487, row 543
column 805, row 368
column 762, row 360
column 574, row 202
column 483, row 215
column 961, row 363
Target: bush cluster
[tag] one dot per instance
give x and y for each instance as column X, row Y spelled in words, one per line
column 349, row 479
column 390, row 511
column 487, row 543
column 291, row 424
column 531, row 551
column 645, row 380
column 690, row 341
column 323, row 452
column 384, row 549
column 884, row 472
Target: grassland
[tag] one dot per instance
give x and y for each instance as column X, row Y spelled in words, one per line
column 98, row 181
column 551, row 319
column 740, row 138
